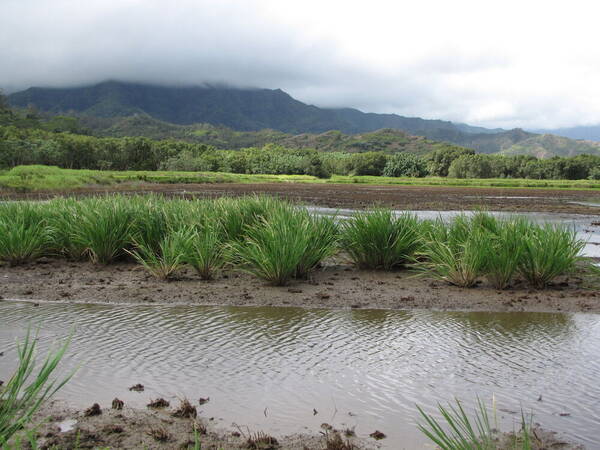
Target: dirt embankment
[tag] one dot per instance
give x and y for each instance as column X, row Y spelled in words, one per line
column 335, row 286
column 358, row 196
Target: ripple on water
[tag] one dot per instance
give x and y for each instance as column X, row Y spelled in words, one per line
column 269, row 367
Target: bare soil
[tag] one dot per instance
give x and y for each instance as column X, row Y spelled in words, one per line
column 337, row 285
column 442, row 198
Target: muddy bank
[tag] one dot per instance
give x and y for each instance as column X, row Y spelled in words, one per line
column 64, row 427
column 157, row 428
column 334, row 286
column 356, row 196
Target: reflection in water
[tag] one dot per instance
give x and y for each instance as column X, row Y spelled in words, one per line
column 356, row 367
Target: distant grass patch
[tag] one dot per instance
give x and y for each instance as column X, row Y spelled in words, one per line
column 46, row 178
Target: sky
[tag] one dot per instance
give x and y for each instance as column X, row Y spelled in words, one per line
column 525, row 63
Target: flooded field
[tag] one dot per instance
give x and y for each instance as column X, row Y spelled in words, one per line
column 272, row 368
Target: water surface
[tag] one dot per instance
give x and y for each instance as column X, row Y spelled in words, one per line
column 268, row 368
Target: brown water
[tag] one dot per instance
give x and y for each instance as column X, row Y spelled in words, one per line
column 267, row 368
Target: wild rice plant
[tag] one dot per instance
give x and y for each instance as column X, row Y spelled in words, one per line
column 164, row 261
column 454, row 253
column 240, row 214
column 548, row 252
column 379, row 240
column 104, row 229
column 461, row 432
column 275, row 249
column 25, row 392
column 206, row 251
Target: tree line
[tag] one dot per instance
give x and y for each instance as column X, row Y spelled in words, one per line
column 27, row 138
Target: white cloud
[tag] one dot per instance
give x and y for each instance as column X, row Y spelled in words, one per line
column 492, row 63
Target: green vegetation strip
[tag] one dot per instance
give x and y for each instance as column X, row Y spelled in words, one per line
column 49, row 178
column 278, row 242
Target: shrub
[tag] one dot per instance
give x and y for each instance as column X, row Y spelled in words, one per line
column 379, row 240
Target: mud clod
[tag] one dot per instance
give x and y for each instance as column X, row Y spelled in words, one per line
column 159, row 434
column 137, row 388
column 158, row 403
column 377, row 435
column 117, row 404
column 93, row 410
column 262, row 441
column 202, row 401
column 185, row 410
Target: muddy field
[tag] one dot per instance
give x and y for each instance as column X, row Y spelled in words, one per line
column 358, row 196
column 335, row 286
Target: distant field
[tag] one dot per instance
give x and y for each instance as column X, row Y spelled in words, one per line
column 45, row 178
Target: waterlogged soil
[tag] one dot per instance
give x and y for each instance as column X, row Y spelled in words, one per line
column 357, row 196
column 336, row 285
column 65, row 427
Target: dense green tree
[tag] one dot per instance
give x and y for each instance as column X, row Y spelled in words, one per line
column 367, row 163
column 440, row 160
column 405, row 165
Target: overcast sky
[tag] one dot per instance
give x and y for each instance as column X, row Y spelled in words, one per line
column 524, row 63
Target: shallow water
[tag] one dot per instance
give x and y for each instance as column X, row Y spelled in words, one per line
column 582, row 223
column 267, row 368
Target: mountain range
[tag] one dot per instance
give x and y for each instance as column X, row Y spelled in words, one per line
column 107, row 106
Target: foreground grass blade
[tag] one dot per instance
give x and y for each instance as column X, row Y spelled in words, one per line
column 24, row 393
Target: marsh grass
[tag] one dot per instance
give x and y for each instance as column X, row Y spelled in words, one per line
column 548, row 252
column 104, row 229
column 23, row 232
column 454, row 252
column 379, row 240
column 288, row 244
column 28, row 388
column 207, row 251
column 503, row 249
column 164, row 260
column 459, row 431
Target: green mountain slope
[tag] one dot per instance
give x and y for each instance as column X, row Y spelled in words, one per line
column 234, row 118
column 549, row 145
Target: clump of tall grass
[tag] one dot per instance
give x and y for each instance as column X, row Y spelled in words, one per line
column 167, row 257
column 461, row 432
column 283, row 246
column 454, row 252
column 23, row 232
column 206, row 251
column 548, row 252
column 380, row 240
column 503, row 249
column 25, row 392
column 104, row 229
